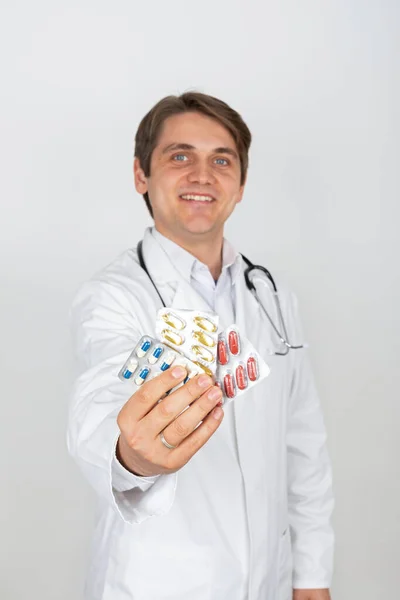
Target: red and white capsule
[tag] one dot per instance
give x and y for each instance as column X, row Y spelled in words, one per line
column 229, row 385
column 241, row 377
column 218, row 384
column 252, row 368
column 234, row 342
column 222, row 352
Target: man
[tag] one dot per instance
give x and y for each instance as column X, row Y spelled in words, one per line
column 237, row 507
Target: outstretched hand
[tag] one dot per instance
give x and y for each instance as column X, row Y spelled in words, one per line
column 144, row 417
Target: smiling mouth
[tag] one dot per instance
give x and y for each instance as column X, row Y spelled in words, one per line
column 197, row 198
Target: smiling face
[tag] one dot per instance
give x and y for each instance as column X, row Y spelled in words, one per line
column 194, row 182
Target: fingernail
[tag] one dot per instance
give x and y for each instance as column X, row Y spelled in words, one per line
column 217, row 412
column 214, row 393
column 178, row 372
column 204, row 381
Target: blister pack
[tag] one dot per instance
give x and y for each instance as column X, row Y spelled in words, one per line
column 193, row 333
column 240, row 367
column 149, row 358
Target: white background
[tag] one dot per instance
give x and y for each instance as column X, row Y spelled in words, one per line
column 318, row 84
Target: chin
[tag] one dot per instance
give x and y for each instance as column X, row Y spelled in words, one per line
column 198, row 226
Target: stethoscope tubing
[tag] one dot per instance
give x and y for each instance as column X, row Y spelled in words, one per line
column 250, row 285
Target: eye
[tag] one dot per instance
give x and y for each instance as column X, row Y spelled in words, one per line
column 222, row 161
column 180, row 157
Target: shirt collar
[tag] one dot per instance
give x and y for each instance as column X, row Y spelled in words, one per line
column 185, row 263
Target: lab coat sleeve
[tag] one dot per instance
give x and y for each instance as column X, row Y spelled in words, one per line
column 104, row 332
column 310, row 498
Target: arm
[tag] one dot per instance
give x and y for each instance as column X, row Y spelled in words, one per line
column 104, row 331
column 113, row 424
column 309, row 484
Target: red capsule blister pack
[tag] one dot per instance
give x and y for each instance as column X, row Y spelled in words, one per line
column 239, row 366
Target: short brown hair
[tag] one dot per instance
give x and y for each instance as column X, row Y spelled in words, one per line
column 150, row 127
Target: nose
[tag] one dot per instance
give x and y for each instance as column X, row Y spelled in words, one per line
column 201, row 173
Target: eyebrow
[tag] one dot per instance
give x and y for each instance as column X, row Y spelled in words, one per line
column 182, row 146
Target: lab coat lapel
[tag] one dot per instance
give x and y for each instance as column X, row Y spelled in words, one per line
column 175, row 290
column 186, row 297
column 247, row 421
column 248, row 312
column 251, row 320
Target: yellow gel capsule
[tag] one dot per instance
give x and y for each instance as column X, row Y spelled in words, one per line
column 206, row 370
column 205, row 324
column 173, row 321
column 204, row 338
column 203, row 353
column 172, row 337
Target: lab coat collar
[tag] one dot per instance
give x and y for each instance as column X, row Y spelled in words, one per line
column 177, row 255
column 248, row 311
column 187, row 263
column 170, row 281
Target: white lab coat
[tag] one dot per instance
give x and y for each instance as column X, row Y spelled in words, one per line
column 175, row 539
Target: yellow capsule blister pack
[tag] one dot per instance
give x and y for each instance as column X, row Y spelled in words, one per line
column 192, row 332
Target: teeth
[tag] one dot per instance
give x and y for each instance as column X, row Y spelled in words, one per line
column 197, row 198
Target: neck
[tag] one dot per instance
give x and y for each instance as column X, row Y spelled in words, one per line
column 207, row 249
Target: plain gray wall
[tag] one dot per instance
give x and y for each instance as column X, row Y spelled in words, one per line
column 318, row 83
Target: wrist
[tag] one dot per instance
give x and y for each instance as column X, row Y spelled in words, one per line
column 311, row 594
column 121, row 454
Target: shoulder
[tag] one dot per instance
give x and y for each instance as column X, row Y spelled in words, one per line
column 122, row 271
column 115, row 284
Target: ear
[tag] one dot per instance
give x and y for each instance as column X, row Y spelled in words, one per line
column 240, row 194
column 139, row 177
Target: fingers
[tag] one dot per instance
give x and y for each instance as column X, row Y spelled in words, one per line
column 186, row 422
column 191, row 444
column 166, row 411
column 143, row 400
column 142, row 419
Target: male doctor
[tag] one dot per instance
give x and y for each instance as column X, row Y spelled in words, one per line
column 238, row 507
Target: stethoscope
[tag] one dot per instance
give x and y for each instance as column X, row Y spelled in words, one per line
column 250, row 286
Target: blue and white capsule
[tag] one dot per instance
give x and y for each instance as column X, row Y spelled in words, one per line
column 143, row 348
column 155, row 355
column 190, row 376
column 143, row 374
column 129, row 368
column 168, row 360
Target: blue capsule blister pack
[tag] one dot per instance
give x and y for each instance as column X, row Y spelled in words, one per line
column 149, row 358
